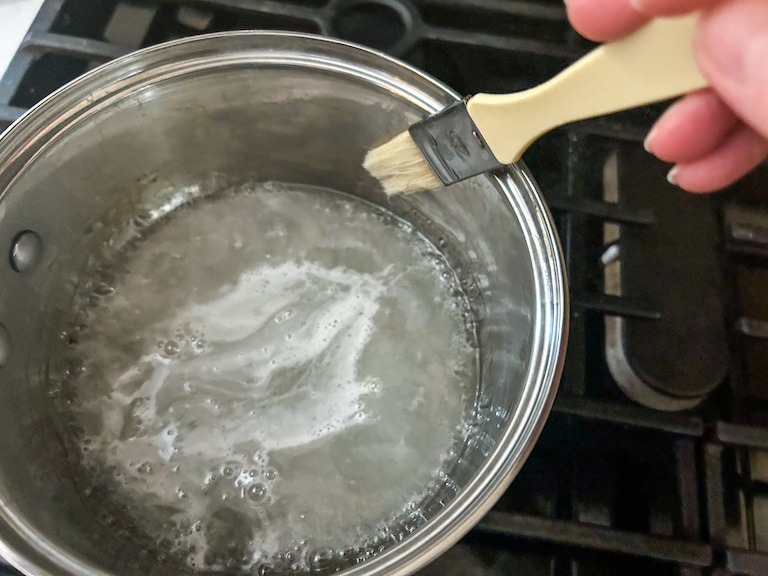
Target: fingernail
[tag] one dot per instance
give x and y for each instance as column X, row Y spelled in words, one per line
column 672, row 175
column 648, row 142
column 649, row 139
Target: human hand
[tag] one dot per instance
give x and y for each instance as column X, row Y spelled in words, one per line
column 716, row 135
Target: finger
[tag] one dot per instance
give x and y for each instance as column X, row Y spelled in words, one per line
column 732, row 52
column 603, row 20
column 691, row 128
column 669, row 7
column 739, row 154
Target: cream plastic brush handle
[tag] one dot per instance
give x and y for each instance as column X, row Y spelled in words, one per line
column 653, row 64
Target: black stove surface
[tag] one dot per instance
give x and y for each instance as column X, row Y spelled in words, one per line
column 669, row 291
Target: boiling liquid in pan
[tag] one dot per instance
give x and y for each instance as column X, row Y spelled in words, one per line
column 275, row 376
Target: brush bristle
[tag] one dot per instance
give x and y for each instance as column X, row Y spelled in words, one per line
column 400, row 166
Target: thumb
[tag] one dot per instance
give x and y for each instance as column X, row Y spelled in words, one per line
column 732, row 52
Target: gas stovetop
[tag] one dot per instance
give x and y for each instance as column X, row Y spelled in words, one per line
column 655, row 459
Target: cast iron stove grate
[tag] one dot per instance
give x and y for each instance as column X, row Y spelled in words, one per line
column 612, row 487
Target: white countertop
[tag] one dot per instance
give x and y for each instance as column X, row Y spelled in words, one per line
column 15, row 18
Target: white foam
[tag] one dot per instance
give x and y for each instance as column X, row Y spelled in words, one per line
column 285, row 361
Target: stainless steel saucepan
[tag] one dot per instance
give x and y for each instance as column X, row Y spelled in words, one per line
column 218, row 111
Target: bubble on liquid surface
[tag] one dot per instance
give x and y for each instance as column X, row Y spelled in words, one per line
column 305, row 385
column 171, row 348
column 257, row 492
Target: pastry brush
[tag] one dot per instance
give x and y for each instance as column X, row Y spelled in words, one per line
column 487, row 131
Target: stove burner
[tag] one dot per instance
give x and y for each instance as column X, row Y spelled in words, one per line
column 674, row 360
column 380, row 24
